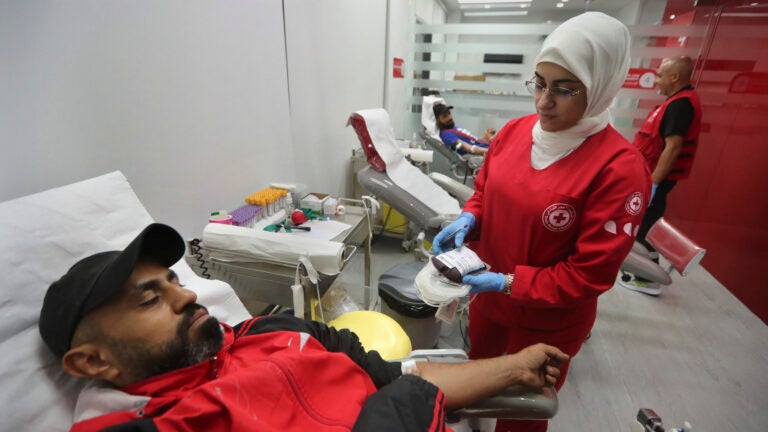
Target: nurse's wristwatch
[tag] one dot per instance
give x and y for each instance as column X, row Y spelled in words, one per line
column 508, row 279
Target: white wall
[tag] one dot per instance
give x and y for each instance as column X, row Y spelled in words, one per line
column 187, row 97
column 400, row 20
column 629, row 13
column 336, row 65
column 199, row 103
column 651, row 12
column 402, row 15
column 427, row 10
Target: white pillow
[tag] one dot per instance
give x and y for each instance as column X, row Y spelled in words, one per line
column 43, row 235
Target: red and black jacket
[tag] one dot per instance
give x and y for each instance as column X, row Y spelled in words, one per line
column 281, row 373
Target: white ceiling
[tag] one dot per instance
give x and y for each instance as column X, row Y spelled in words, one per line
column 550, row 5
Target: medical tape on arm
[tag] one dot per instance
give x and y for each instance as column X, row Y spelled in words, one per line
column 408, row 367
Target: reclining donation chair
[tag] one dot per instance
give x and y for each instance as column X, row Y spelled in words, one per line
column 463, row 167
column 393, row 179
column 681, row 252
column 44, row 234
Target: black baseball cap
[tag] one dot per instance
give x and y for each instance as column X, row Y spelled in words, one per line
column 441, row 109
column 93, row 280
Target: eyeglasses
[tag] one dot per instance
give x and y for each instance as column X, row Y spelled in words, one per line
column 561, row 93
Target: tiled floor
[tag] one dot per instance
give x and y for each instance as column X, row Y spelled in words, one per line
column 694, row 354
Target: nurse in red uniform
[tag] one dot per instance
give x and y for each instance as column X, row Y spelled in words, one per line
column 557, row 203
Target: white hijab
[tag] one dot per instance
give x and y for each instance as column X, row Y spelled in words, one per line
column 595, row 48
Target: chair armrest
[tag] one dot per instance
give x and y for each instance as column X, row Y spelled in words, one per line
column 644, row 267
column 458, row 190
column 445, row 355
column 681, row 252
column 475, row 161
column 638, row 248
column 514, row 402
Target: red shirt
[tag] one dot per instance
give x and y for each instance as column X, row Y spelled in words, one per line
column 563, row 230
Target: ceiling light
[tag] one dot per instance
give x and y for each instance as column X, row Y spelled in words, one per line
column 560, row 5
column 491, row 1
column 499, row 13
column 496, row 6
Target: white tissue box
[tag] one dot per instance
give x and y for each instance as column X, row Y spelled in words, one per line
column 314, row 201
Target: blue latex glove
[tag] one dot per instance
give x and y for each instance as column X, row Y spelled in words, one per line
column 653, row 193
column 484, row 282
column 456, row 231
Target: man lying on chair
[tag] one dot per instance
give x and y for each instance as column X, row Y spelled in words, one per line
column 460, row 139
column 124, row 317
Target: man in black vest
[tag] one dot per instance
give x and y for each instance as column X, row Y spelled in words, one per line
column 668, row 141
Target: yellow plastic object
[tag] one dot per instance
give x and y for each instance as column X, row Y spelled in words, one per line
column 265, row 196
column 376, row 332
column 394, row 221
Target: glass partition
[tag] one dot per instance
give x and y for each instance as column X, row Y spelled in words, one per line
column 480, row 69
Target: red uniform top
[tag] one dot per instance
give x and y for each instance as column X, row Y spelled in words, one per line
column 563, row 230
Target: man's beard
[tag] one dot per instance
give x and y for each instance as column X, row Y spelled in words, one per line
column 447, row 125
column 142, row 362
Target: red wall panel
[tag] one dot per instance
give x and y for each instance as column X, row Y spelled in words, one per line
column 724, row 204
